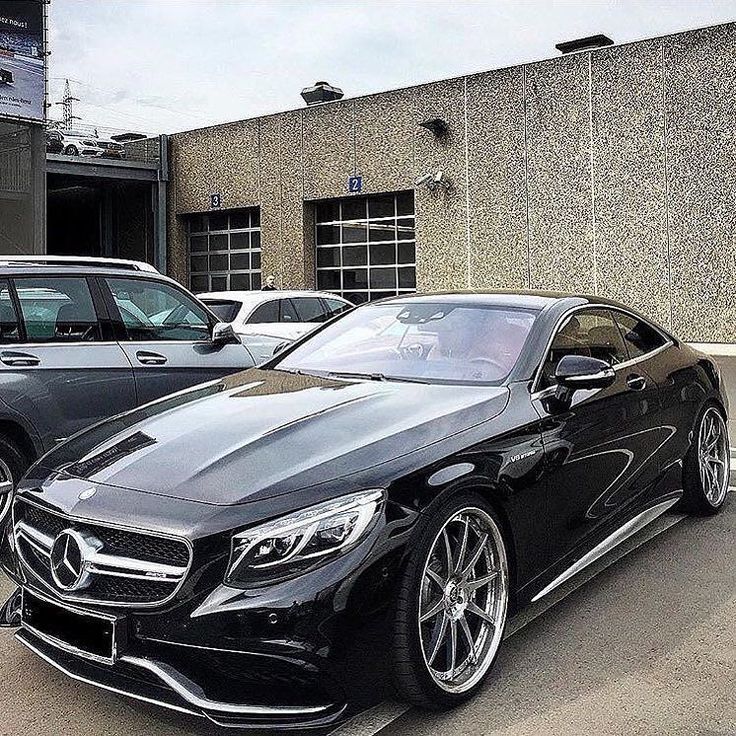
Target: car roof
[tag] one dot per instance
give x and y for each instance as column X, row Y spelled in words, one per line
column 529, row 298
column 259, row 297
column 521, row 298
column 14, row 268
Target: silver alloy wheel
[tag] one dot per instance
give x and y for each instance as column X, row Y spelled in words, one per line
column 6, row 488
column 714, row 456
column 463, row 600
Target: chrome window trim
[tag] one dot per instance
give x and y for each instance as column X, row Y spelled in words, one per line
column 26, row 567
column 70, row 344
column 562, row 320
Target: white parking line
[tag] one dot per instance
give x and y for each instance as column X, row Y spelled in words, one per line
column 373, row 720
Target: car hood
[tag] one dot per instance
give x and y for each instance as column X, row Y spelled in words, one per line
column 261, row 433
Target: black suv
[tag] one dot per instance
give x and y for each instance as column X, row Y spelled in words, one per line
column 84, row 339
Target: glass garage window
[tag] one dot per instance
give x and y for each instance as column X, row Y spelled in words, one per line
column 366, row 247
column 225, row 251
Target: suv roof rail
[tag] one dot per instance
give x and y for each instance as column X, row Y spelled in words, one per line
column 78, row 261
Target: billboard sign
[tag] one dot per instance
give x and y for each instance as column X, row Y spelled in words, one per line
column 22, row 67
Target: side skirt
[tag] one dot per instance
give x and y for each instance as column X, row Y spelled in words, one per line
column 622, row 533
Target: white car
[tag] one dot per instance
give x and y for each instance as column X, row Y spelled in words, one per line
column 76, row 143
column 287, row 314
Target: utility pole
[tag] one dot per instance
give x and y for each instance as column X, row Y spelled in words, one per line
column 67, row 103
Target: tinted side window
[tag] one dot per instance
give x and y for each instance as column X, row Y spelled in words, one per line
column 640, row 337
column 310, row 309
column 265, row 314
column 287, row 312
column 224, row 310
column 335, row 307
column 57, row 309
column 9, row 331
column 591, row 332
column 156, row 312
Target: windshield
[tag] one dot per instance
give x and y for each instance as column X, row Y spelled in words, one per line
column 225, row 310
column 432, row 343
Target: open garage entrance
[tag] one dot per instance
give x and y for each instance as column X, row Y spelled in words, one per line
column 105, row 208
column 96, row 217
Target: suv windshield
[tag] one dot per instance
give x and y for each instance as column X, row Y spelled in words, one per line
column 432, row 343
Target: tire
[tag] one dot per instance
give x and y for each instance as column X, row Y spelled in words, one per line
column 449, row 597
column 705, row 482
column 13, row 463
column 71, row 151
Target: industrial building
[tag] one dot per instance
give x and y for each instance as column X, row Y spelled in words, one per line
column 607, row 171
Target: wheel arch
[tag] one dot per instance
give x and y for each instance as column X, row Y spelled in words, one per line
column 21, row 437
column 495, row 498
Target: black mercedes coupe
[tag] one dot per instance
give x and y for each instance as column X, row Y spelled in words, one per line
column 363, row 512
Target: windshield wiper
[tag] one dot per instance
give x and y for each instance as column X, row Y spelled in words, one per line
column 374, row 377
column 300, row 372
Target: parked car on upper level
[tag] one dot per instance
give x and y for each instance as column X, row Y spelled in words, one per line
column 111, row 148
column 84, row 339
column 286, row 314
column 77, row 143
column 54, row 142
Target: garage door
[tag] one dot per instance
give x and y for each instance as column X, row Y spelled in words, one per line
column 366, row 246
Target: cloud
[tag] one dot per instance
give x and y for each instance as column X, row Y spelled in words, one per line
column 176, row 64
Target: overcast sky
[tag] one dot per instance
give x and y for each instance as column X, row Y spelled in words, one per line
column 169, row 65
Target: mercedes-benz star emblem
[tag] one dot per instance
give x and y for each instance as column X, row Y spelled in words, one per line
column 69, row 558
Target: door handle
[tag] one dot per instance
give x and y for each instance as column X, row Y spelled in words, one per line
column 19, row 359
column 636, row 382
column 143, row 356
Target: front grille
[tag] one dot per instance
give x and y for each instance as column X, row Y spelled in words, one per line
column 125, row 567
column 142, row 546
column 124, row 590
column 45, row 522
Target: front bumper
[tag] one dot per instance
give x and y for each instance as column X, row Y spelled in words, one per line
column 161, row 684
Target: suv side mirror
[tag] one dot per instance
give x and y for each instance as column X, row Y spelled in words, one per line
column 575, row 372
column 223, row 334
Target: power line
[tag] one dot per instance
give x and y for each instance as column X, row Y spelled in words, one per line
column 176, row 111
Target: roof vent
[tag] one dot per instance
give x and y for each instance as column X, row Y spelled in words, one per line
column 321, row 92
column 584, row 44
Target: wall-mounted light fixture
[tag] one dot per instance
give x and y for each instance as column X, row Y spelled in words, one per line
column 584, row 44
column 438, row 127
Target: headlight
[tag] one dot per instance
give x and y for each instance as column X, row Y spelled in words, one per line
column 299, row 541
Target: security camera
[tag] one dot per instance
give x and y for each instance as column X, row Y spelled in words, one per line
column 435, row 182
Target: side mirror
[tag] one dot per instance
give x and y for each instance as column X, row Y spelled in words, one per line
column 223, row 334
column 575, row 372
